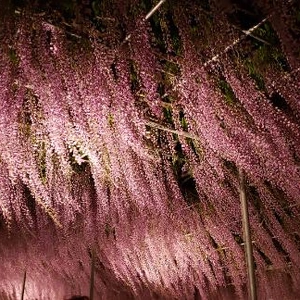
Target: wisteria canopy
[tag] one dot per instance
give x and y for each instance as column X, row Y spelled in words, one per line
column 121, row 141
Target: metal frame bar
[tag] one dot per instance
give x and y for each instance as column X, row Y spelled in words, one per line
column 154, row 9
column 236, row 41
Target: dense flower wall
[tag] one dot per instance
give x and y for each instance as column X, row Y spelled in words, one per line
column 121, row 139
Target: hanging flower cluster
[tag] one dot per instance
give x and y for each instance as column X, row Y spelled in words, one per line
column 121, row 143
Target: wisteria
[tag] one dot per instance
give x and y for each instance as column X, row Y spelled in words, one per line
column 121, row 142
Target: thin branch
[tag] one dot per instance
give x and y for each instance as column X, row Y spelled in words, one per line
column 50, row 212
column 178, row 132
column 18, row 12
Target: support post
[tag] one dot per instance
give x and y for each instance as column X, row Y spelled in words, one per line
column 92, row 279
column 247, row 238
column 23, row 285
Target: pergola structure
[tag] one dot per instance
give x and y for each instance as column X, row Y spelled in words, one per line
column 149, row 149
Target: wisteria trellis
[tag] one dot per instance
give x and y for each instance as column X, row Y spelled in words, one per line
column 83, row 170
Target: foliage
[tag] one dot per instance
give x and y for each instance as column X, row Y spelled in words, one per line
column 125, row 136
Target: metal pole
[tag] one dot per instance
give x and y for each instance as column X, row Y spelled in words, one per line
column 247, row 238
column 154, row 9
column 23, row 286
column 149, row 14
column 92, row 279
